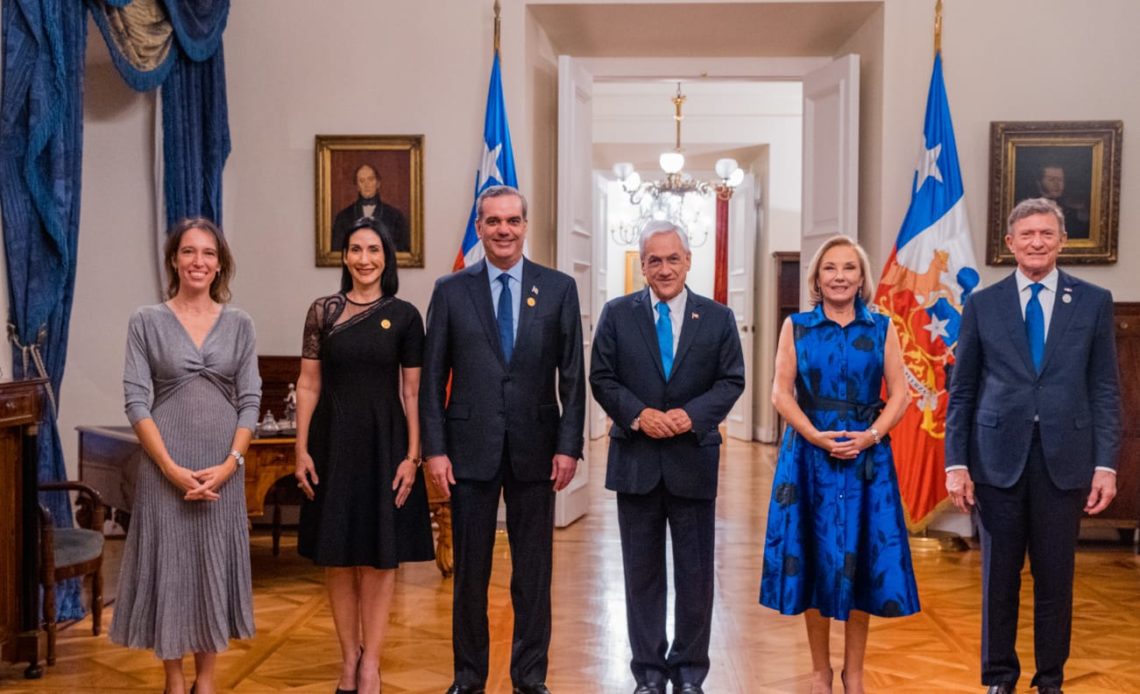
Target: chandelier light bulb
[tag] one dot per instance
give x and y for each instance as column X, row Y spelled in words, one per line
column 725, row 168
column 736, row 178
column 622, row 170
column 672, row 162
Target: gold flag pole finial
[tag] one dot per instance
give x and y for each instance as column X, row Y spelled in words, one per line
column 937, row 27
column 498, row 9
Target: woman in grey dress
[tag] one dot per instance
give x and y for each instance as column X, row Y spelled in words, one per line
column 192, row 395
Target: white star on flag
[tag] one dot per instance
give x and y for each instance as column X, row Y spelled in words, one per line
column 937, row 328
column 490, row 166
column 928, row 166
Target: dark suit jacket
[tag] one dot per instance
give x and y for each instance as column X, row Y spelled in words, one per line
column 995, row 390
column 390, row 219
column 491, row 401
column 627, row 376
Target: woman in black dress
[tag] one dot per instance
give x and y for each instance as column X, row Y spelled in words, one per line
column 358, row 448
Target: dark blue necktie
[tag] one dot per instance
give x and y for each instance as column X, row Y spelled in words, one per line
column 506, row 318
column 1035, row 326
column 665, row 337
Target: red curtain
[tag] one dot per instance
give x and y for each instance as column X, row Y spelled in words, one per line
column 720, row 278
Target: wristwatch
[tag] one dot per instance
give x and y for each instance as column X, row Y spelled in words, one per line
column 238, row 457
column 875, row 435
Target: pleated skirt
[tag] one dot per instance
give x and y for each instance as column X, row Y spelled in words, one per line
column 184, row 584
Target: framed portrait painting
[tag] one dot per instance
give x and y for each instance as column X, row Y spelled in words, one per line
column 374, row 176
column 1074, row 163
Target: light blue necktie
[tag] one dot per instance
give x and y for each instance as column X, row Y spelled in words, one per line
column 1035, row 326
column 665, row 337
column 506, row 318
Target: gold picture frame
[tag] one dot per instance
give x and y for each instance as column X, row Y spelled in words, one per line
column 1075, row 162
column 634, row 280
column 397, row 162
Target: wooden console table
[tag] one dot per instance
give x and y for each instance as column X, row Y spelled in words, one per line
column 20, row 407
column 109, row 457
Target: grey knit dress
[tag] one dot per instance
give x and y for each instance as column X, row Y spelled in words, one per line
column 184, row 585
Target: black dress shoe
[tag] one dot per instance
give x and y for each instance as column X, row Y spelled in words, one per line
column 1004, row 688
column 649, row 689
column 688, row 688
column 1049, row 690
column 463, row 689
column 531, row 689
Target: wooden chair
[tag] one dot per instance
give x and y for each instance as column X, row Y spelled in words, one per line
column 70, row 553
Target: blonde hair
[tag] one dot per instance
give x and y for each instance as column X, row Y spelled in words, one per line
column 814, row 293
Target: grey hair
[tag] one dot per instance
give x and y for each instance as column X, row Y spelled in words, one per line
column 498, row 192
column 661, row 226
column 815, row 295
column 1032, row 206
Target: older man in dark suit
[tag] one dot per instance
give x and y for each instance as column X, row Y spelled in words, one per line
column 667, row 367
column 508, row 331
column 1032, row 434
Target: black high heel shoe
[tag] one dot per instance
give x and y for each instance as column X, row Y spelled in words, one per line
column 359, row 656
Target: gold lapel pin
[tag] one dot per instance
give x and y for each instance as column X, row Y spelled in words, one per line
column 530, row 301
column 385, row 324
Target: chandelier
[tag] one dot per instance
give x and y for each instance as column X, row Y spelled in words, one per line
column 677, row 197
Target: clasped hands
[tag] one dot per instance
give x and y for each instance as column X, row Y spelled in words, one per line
column 853, row 443
column 200, row 485
column 662, row 425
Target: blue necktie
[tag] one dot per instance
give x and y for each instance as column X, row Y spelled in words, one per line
column 506, row 318
column 1035, row 326
column 665, row 337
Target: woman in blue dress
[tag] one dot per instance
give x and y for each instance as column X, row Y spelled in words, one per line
column 836, row 545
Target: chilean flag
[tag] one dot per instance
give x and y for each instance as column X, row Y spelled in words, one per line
column 926, row 280
column 497, row 167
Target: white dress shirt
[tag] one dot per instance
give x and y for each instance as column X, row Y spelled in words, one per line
column 676, row 313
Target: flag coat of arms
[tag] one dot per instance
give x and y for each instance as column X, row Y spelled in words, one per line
column 497, row 166
column 929, row 274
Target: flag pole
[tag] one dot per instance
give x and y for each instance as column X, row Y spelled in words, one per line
column 498, row 21
column 937, row 27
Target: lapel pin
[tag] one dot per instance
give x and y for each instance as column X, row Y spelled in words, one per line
column 1067, row 298
column 696, row 315
column 530, row 301
column 534, row 289
column 385, row 324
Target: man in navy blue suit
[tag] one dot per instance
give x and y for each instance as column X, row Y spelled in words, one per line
column 667, row 368
column 508, row 332
column 1032, row 434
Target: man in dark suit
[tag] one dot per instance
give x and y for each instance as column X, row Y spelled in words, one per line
column 667, row 368
column 1032, row 434
column 509, row 333
column 368, row 205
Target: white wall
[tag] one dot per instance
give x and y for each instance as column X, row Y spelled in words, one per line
column 297, row 68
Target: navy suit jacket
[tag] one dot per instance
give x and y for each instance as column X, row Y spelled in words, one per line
column 995, row 390
column 491, row 401
column 627, row 376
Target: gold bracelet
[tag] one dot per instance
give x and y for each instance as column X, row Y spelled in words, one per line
column 415, row 461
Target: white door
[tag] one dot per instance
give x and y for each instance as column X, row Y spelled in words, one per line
column 599, row 422
column 742, row 233
column 831, row 157
column 576, row 235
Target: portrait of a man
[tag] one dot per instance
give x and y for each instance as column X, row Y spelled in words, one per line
column 368, row 205
column 374, row 177
column 1061, row 174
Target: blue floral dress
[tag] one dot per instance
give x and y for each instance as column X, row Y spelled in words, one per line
column 836, row 538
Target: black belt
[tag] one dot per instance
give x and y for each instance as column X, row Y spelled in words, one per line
column 863, row 412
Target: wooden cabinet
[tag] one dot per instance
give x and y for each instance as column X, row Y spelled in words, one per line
column 20, row 405
column 1125, row 508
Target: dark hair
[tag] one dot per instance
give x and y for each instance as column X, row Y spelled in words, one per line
column 498, row 192
column 220, row 287
column 357, row 170
column 389, row 281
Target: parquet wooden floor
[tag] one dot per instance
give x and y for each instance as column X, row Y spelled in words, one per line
column 753, row 649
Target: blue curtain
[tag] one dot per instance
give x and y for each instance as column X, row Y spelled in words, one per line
column 195, row 138
column 41, row 149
